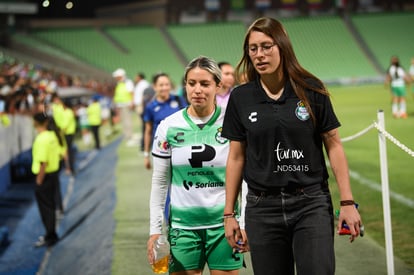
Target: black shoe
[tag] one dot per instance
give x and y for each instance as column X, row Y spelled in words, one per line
column 45, row 242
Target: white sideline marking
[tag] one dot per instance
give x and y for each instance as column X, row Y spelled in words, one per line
column 377, row 186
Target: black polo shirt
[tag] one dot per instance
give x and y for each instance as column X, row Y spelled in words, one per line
column 283, row 145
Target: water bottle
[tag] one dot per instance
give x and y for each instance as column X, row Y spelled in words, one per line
column 161, row 255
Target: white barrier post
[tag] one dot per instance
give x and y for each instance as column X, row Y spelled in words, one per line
column 385, row 194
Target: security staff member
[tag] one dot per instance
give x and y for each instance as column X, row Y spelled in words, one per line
column 46, row 152
column 95, row 120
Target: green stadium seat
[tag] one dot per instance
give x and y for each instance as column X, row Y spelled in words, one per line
column 387, row 35
column 325, row 47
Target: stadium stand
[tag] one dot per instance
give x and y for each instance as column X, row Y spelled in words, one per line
column 221, row 41
column 135, row 48
column 325, row 45
column 84, row 43
column 326, row 48
column 148, row 51
column 386, row 35
column 29, row 49
column 44, row 47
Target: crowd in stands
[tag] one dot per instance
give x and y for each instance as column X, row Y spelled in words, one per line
column 27, row 89
column 24, row 88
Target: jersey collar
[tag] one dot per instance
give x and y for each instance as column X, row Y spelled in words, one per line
column 209, row 123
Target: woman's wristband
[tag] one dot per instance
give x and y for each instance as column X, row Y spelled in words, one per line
column 146, row 154
column 229, row 215
column 347, row 202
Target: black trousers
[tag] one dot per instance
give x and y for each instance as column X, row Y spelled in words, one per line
column 71, row 152
column 46, row 201
column 95, row 132
column 58, row 196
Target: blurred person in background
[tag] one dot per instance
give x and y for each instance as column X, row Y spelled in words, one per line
column 4, row 117
column 106, row 106
column 95, row 119
column 147, row 97
column 411, row 73
column 63, row 162
column 227, row 83
column 82, row 114
column 58, row 110
column 69, row 130
column 123, row 100
column 162, row 105
column 181, row 90
column 397, row 79
column 140, row 85
column 58, row 123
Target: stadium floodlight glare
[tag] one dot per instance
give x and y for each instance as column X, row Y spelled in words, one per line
column 45, row 3
column 69, row 5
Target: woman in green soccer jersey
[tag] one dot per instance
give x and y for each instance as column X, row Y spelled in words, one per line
column 397, row 78
column 189, row 157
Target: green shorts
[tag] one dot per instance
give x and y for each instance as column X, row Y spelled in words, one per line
column 192, row 249
column 398, row 91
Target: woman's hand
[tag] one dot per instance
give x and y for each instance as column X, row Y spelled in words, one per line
column 350, row 215
column 147, row 163
column 68, row 172
column 236, row 237
column 150, row 248
column 244, row 243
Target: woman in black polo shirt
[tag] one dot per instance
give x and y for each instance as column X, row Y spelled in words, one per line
column 278, row 123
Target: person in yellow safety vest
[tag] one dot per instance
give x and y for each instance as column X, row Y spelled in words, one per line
column 58, row 110
column 95, row 120
column 4, row 118
column 69, row 130
column 58, row 124
column 45, row 165
column 123, row 100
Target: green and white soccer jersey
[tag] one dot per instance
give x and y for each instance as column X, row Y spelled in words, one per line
column 198, row 161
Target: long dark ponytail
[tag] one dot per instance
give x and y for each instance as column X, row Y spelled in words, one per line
column 43, row 119
column 52, row 126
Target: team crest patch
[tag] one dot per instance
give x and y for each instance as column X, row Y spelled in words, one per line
column 301, row 111
column 219, row 138
column 163, row 145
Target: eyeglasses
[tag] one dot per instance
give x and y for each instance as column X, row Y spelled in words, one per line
column 266, row 48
